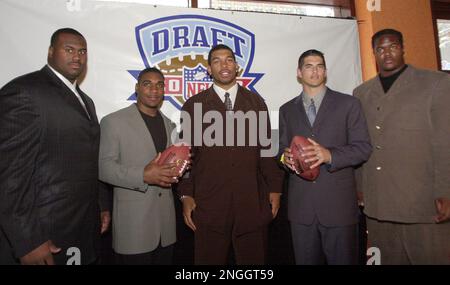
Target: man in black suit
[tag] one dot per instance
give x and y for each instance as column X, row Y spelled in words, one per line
column 324, row 213
column 49, row 141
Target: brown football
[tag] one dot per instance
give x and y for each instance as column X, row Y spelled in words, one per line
column 176, row 153
column 297, row 145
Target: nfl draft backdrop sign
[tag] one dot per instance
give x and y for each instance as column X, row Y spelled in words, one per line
column 179, row 46
column 124, row 38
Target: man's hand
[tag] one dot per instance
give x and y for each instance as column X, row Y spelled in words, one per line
column 274, row 199
column 317, row 153
column 42, row 255
column 288, row 161
column 360, row 196
column 162, row 175
column 188, row 207
column 442, row 209
column 105, row 219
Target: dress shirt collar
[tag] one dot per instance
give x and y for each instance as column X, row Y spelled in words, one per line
column 318, row 98
column 221, row 92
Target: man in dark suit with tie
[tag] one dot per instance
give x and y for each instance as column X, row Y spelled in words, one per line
column 232, row 192
column 324, row 213
column 49, row 141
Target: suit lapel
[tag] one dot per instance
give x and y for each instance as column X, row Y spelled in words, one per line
column 327, row 102
column 213, row 101
column 300, row 112
column 242, row 103
column 399, row 85
column 137, row 122
column 402, row 81
column 66, row 93
column 89, row 107
column 168, row 128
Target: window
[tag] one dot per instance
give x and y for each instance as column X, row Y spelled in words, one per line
column 281, row 8
column 441, row 19
column 443, row 27
column 177, row 3
column 253, row 6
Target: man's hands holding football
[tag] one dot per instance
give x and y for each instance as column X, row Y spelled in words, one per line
column 162, row 175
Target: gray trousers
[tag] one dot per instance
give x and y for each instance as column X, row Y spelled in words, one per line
column 316, row 244
column 405, row 244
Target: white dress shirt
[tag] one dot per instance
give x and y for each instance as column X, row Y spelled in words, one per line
column 221, row 92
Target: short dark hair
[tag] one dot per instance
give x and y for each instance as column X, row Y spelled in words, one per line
column 311, row 52
column 384, row 32
column 218, row 47
column 149, row 70
column 56, row 34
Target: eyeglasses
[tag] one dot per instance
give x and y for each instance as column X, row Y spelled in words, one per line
column 392, row 48
column 157, row 85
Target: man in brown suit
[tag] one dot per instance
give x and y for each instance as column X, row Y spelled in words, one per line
column 232, row 192
column 406, row 182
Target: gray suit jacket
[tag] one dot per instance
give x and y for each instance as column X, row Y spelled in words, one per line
column 142, row 214
column 341, row 127
column 410, row 129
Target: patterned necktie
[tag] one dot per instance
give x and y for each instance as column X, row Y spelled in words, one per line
column 228, row 104
column 311, row 113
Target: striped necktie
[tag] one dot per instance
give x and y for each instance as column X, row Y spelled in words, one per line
column 228, row 104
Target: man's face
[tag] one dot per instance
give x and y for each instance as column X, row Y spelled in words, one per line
column 223, row 68
column 68, row 56
column 389, row 54
column 150, row 90
column 313, row 72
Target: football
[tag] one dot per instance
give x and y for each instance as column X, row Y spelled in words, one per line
column 297, row 145
column 176, row 153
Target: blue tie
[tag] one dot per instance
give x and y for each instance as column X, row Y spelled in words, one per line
column 311, row 113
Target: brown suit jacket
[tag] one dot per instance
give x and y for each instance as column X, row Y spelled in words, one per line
column 230, row 184
column 410, row 131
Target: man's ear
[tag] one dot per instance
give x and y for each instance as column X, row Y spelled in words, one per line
column 136, row 88
column 209, row 70
column 50, row 52
column 299, row 73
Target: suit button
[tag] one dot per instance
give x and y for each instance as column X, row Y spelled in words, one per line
column 313, row 135
column 378, row 108
column 314, row 182
column 159, row 194
column 378, row 147
column 378, row 127
column 378, row 168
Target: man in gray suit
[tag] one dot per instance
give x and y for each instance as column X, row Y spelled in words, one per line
column 130, row 145
column 324, row 213
column 406, row 182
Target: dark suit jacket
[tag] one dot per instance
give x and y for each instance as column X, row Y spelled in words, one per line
column 341, row 127
column 48, row 168
column 230, row 184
